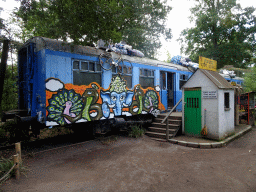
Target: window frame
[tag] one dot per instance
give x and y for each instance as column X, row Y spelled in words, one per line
column 115, row 71
column 226, row 101
column 183, row 79
column 80, row 69
column 147, row 73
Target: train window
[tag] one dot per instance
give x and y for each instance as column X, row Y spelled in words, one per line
column 163, row 80
column 183, row 79
column 85, row 72
column 146, row 78
column 130, row 70
column 76, row 65
column 125, row 72
column 98, row 67
column 84, row 65
column 91, row 66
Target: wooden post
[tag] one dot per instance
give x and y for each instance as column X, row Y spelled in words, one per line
column 16, row 168
column 167, row 129
column 18, row 150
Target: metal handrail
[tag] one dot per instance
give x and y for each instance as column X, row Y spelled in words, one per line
column 168, row 114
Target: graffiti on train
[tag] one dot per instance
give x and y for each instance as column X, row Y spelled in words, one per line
column 68, row 103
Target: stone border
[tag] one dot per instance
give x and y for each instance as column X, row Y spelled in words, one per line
column 213, row 144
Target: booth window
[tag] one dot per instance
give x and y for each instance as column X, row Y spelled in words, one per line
column 146, row 78
column 126, row 73
column 226, row 101
column 85, row 72
column 183, row 79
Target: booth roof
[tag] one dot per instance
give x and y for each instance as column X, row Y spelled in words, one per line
column 217, row 79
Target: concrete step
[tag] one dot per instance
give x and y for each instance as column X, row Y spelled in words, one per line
column 160, row 130
column 160, row 125
column 161, row 116
column 171, row 121
column 157, row 135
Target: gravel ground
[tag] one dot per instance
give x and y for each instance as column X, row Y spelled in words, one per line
column 130, row 164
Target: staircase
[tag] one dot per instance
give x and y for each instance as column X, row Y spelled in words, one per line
column 157, row 130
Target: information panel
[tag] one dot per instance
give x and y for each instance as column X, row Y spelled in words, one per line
column 209, row 95
column 208, row 64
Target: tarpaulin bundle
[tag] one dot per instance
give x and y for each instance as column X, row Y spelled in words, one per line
column 176, row 60
column 125, row 50
column 184, row 61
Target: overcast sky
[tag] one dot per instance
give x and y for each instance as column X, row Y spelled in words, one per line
column 177, row 21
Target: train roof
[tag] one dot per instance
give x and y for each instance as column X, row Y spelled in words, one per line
column 57, row 45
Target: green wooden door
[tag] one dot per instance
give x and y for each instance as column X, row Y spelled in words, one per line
column 192, row 112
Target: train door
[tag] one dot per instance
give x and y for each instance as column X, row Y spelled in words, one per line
column 26, row 74
column 167, row 89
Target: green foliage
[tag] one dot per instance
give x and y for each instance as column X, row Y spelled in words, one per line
column 5, row 166
column 136, row 131
column 224, row 32
column 108, row 140
column 10, row 92
column 3, row 135
column 250, row 80
column 169, row 56
column 139, row 23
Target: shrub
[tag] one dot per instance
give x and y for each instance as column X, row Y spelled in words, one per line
column 16, row 132
column 10, row 90
column 3, row 134
column 136, row 131
column 5, row 166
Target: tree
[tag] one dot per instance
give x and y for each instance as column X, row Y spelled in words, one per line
column 250, row 79
column 224, row 32
column 139, row 23
column 10, row 89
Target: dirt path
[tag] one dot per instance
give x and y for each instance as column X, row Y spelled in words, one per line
column 142, row 165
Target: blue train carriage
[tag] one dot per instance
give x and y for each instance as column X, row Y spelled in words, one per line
column 233, row 80
column 61, row 84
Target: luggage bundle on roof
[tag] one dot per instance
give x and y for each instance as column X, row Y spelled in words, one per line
column 184, row 61
column 121, row 48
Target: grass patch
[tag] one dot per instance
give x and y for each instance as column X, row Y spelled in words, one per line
column 108, row 140
column 6, row 165
column 136, row 131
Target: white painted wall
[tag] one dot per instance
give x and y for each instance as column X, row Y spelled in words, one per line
column 226, row 118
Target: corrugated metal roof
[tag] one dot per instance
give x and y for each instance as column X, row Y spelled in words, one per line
column 217, row 79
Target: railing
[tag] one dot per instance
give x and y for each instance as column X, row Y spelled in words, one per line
column 168, row 114
column 167, row 120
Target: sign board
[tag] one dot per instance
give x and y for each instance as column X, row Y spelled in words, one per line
column 209, row 95
column 208, row 64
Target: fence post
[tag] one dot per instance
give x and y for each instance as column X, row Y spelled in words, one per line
column 18, row 150
column 167, row 129
column 16, row 168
